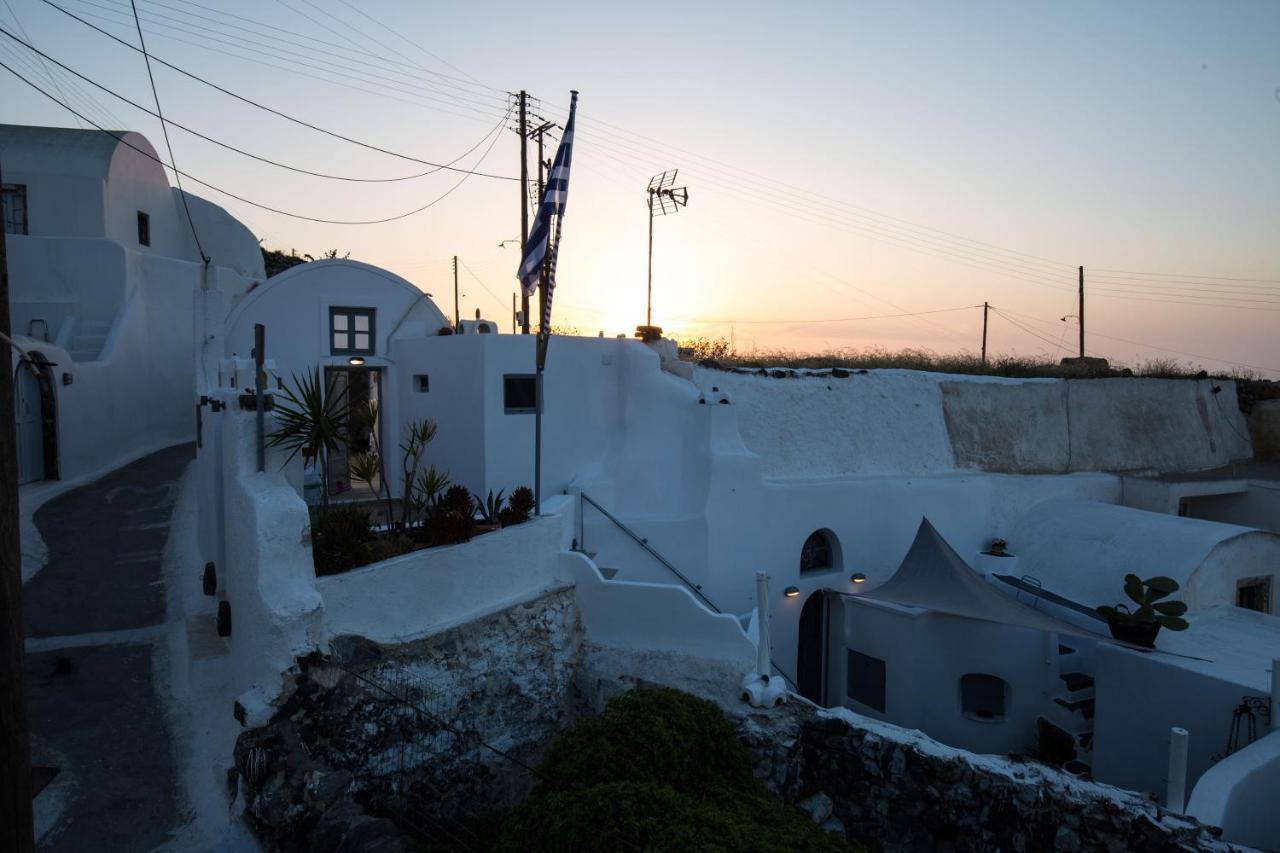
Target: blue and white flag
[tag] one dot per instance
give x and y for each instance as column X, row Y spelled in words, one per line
column 554, row 196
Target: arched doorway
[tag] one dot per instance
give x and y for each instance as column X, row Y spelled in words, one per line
column 37, row 422
column 811, row 649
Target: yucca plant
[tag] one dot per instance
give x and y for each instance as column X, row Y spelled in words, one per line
column 1140, row 626
column 417, row 435
column 364, row 419
column 311, row 419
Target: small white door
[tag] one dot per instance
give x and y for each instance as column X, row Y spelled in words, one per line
column 26, row 389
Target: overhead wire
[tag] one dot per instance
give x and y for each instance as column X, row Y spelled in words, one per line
column 228, row 145
column 280, row 113
column 164, row 128
column 494, row 134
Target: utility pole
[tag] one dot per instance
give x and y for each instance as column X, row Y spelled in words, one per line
column 17, row 829
column 1082, row 312
column 457, row 316
column 985, row 308
column 524, row 197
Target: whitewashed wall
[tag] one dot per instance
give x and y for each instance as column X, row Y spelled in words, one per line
column 1239, row 795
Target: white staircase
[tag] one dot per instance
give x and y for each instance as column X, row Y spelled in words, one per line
column 89, row 339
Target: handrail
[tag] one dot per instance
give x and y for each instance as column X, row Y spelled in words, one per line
column 643, row 543
column 694, row 588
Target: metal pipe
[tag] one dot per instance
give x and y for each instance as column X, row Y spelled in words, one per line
column 1176, row 796
column 260, row 391
column 762, row 625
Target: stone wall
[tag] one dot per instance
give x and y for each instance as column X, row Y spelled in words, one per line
column 903, row 791
column 439, row 731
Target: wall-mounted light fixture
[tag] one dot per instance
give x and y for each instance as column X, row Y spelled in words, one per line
column 858, row 577
column 355, row 361
column 791, row 591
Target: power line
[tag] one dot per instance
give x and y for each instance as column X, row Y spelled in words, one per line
column 1183, row 275
column 165, row 130
column 480, row 282
column 831, row 319
column 467, row 174
column 279, row 113
column 229, row 146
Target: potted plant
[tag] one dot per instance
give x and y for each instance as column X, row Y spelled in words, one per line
column 998, row 548
column 1140, row 626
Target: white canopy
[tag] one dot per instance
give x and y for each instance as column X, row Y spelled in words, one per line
column 935, row 577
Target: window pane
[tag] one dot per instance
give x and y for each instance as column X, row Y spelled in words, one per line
column 865, row 677
column 520, row 393
column 339, row 322
column 362, row 322
column 362, row 340
column 340, row 341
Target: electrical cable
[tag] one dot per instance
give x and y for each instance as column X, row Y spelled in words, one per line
column 279, row 113
column 467, row 174
column 829, row 319
column 229, row 146
column 165, row 129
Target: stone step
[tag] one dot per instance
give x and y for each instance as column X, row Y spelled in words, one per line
column 609, row 574
column 1084, row 706
column 1077, row 681
column 1065, row 650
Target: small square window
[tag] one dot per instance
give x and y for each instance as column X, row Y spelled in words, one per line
column 1254, row 594
column 519, row 393
column 421, row 383
column 14, row 197
column 144, row 229
column 983, row 697
column 352, row 331
column 865, row 677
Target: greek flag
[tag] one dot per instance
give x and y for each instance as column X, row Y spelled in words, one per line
column 554, row 196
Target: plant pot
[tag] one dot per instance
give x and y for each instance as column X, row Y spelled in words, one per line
column 1137, row 633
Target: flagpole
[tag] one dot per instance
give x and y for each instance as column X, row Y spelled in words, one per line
column 543, row 343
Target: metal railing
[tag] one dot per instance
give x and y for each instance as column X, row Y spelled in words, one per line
column 696, row 589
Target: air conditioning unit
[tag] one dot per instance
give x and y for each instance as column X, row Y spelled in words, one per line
column 479, row 327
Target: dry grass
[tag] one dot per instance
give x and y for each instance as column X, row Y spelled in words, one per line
column 1016, row 366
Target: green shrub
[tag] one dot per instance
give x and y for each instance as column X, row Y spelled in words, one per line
column 658, row 770
column 338, row 539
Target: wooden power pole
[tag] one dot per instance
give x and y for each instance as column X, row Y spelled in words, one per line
column 457, row 315
column 985, row 308
column 17, row 830
column 524, row 199
column 1081, row 306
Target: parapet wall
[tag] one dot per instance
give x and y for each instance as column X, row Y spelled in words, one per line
column 805, row 423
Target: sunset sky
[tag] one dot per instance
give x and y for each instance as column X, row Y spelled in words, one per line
column 844, row 160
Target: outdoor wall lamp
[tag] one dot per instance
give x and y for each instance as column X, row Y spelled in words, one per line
column 791, row 591
column 858, row 577
column 355, row 361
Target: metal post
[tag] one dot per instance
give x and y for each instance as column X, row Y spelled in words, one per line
column 457, row 316
column 985, row 307
column 763, row 653
column 648, row 310
column 260, row 391
column 515, row 327
column 1176, row 794
column 17, row 827
column 524, row 197
column 537, row 444
column 1082, row 312
column 1275, row 694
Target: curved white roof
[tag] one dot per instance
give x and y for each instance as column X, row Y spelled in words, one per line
column 66, row 150
column 1083, row 549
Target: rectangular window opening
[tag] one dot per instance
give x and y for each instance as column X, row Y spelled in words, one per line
column 352, row 331
column 1254, row 594
column 144, row 229
column 519, row 393
column 421, row 383
column 865, row 680
column 14, row 197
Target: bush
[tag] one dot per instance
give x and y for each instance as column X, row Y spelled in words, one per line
column 452, row 519
column 519, row 507
column 338, row 539
column 658, row 770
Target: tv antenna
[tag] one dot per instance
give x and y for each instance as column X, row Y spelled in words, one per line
column 664, row 198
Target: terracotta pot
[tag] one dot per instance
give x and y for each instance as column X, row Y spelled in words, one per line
column 1138, row 633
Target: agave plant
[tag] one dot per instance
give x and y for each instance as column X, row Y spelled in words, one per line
column 311, row 419
column 1152, row 614
column 425, row 493
column 490, row 508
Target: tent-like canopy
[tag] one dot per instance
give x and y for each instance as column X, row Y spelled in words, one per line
column 935, row 577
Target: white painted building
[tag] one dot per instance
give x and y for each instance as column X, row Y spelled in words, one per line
column 103, row 270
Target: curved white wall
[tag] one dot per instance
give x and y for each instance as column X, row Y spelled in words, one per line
column 1239, row 794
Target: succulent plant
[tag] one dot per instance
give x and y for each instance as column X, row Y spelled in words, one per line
column 1146, row 594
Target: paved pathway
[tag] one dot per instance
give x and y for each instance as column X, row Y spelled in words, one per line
column 94, row 617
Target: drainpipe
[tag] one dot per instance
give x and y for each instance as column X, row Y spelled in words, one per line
column 758, row 687
column 1176, row 795
column 1275, row 694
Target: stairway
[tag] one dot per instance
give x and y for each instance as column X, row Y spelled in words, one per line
column 89, row 339
column 1066, row 728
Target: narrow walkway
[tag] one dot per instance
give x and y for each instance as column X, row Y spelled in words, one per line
column 92, row 616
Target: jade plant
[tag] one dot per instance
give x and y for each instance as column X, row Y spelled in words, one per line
column 1141, row 625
